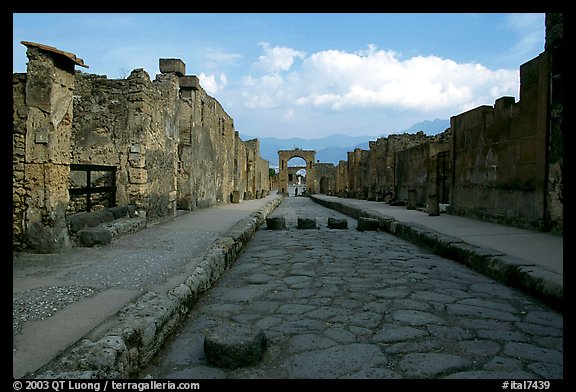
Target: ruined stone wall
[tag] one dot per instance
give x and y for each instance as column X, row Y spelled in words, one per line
column 416, row 169
column 20, row 193
column 325, row 178
column 42, row 116
column 357, row 173
column 212, row 149
column 263, row 184
column 131, row 124
column 371, row 174
column 171, row 144
column 378, row 169
column 186, row 196
column 342, row 179
column 499, row 155
column 555, row 165
column 174, row 145
column 252, row 151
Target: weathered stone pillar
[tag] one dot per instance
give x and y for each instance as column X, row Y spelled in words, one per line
column 434, row 205
column 411, row 199
column 49, row 86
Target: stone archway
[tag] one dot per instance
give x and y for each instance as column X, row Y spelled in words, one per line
column 284, row 156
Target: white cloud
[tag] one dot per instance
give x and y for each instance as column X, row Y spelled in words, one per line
column 339, row 80
column 265, row 92
column 211, row 83
column 278, row 58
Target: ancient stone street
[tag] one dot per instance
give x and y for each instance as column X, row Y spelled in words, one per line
column 343, row 303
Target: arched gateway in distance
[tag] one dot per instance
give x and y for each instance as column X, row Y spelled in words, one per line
column 284, row 156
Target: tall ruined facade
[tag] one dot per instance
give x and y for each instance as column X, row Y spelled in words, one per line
column 159, row 145
column 501, row 163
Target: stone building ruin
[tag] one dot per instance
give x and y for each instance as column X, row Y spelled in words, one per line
column 500, row 163
column 85, row 142
column 161, row 145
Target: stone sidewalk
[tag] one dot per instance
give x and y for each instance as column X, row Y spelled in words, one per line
column 101, row 312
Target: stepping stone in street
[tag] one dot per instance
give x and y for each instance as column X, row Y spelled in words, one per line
column 334, row 223
column 233, row 345
column 276, row 223
column 367, row 224
column 307, row 223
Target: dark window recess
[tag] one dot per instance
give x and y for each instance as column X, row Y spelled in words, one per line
column 90, row 189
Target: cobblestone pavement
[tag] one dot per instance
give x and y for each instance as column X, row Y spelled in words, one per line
column 350, row 304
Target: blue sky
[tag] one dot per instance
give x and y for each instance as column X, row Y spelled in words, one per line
column 309, row 75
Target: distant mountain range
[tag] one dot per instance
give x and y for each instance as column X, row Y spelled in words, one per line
column 334, row 148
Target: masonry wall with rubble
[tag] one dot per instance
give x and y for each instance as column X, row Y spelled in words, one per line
column 501, row 163
column 171, row 144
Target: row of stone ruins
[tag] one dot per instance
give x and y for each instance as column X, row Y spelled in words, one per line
column 84, row 142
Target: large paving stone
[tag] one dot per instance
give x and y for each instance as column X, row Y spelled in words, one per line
column 335, row 361
column 234, row 345
column 424, row 365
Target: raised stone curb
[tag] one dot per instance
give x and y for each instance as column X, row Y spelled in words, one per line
column 142, row 326
column 521, row 274
column 234, row 345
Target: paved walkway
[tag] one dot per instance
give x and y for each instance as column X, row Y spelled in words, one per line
column 364, row 305
column 59, row 299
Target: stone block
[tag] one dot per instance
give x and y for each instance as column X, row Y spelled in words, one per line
column 119, row 211
column 77, row 222
column 95, row 236
column 367, row 224
column 234, row 345
column 190, row 82
column 276, row 223
column 176, row 66
column 334, row 223
column 97, row 217
column 307, row 223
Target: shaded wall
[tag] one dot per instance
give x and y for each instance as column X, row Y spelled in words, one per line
column 499, row 155
column 417, row 169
